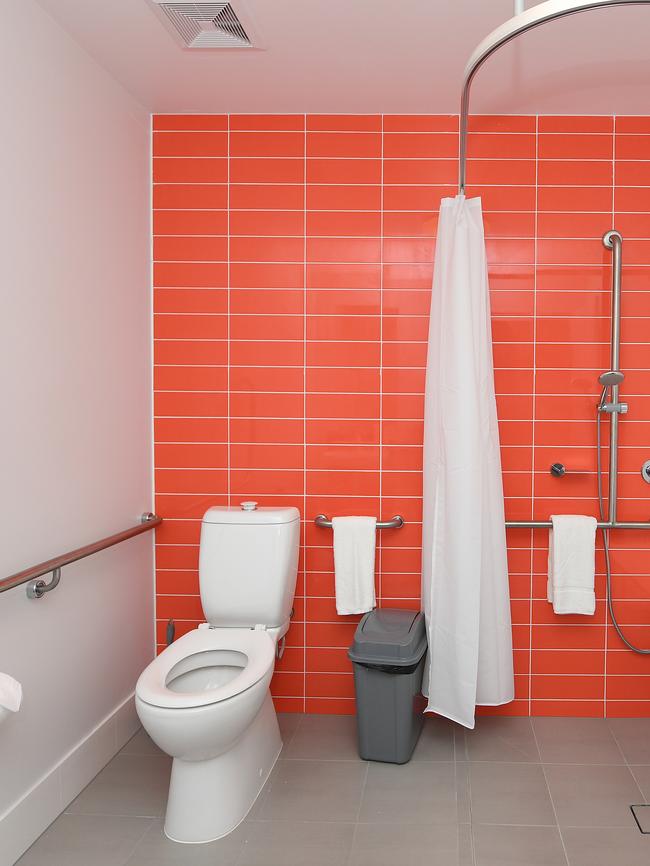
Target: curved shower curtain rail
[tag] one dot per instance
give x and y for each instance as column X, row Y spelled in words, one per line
column 528, row 20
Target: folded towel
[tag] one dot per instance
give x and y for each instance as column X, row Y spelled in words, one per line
column 354, row 563
column 11, row 693
column 572, row 564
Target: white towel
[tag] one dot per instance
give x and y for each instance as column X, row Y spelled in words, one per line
column 354, row 564
column 572, row 564
column 11, row 693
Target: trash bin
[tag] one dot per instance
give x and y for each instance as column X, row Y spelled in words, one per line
column 388, row 654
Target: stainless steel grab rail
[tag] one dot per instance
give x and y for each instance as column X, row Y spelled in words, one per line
column 37, row 588
column 546, row 524
column 612, row 240
column 394, row 523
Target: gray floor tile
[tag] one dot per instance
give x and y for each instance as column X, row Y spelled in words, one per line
column 155, row 849
column 518, row 846
column 415, row 813
column 465, row 846
column 289, row 723
column 324, row 738
column 576, row 741
column 497, row 738
column 592, row 796
column 313, row 791
column 606, row 847
column 141, row 744
column 411, row 793
column 436, row 741
column 462, row 792
column 296, row 843
column 510, row 794
column 417, row 845
column 133, row 785
column 633, row 736
column 641, row 773
column 80, row 840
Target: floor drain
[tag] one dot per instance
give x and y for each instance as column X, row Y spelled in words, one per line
column 642, row 817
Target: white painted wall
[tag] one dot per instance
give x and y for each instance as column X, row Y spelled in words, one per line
column 75, row 433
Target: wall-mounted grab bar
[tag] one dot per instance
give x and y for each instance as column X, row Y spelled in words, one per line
column 37, row 588
column 546, row 524
column 612, row 240
column 394, row 523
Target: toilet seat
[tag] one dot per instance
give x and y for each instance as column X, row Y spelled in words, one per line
column 255, row 644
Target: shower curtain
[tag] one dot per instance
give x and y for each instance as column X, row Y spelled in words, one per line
column 465, row 593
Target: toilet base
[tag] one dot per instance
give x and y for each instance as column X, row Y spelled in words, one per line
column 208, row 799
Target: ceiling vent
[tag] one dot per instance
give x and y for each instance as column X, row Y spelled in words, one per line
column 206, row 25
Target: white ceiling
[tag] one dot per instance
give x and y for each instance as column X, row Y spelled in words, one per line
column 392, row 56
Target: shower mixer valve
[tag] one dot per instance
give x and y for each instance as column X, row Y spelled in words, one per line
column 621, row 408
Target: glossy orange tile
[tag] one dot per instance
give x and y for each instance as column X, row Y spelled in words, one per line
column 191, row 300
column 420, row 123
column 261, row 223
column 266, row 122
column 190, row 222
column 343, row 250
column 344, row 171
column 190, row 249
column 343, row 224
column 185, row 196
column 200, row 122
column 430, row 145
column 344, row 144
column 345, row 122
column 206, row 404
column 343, row 197
column 190, row 170
column 263, row 170
column 199, row 143
column 295, row 374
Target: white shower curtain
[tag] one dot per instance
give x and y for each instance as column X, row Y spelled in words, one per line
column 465, row 593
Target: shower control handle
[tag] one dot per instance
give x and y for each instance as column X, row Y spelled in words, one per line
column 621, row 408
column 645, row 472
column 559, row 470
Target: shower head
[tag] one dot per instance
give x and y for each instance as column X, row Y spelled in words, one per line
column 611, row 378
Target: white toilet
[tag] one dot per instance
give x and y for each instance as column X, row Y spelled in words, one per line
column 205, row 699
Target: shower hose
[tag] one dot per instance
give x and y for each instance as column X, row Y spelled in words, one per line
column 608, row 566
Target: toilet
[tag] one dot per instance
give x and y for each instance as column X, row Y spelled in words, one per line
column 205, row 699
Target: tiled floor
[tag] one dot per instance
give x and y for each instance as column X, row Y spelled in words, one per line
column 514, row 792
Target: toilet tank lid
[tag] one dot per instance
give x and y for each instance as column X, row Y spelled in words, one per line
column 250, row 515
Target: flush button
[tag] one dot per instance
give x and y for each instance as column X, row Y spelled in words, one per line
column 248, row 506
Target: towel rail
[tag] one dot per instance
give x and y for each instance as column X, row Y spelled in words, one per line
column 394, row 523
column 602, row 524
column 37, row 588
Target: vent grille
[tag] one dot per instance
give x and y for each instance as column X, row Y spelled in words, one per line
column 207, row 25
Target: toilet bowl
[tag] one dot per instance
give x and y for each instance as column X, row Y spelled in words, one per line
column 205, row 699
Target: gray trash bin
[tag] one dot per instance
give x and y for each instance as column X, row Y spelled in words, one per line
column 388, row 654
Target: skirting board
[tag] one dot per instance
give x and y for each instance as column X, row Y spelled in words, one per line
column 45, row 801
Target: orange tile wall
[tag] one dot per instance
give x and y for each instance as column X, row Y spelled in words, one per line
column 293, row 263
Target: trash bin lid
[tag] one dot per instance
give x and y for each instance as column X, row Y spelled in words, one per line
column 389, row 636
